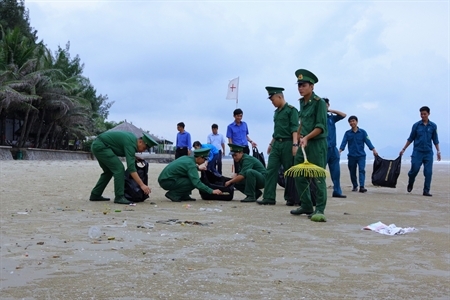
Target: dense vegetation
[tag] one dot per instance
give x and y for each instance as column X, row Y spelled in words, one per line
column 45, row 93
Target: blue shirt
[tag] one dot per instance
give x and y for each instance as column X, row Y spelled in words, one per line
column 422, row 135
column 212, row 152
column 238, row 133
column 332, row 119
column 183, row 140
column 356, row 141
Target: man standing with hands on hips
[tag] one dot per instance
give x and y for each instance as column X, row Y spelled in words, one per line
column 333, row 156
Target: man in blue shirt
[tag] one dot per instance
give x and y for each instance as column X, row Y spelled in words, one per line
column 422, row 133
column 212, row 158
column 333, row 157
column 217, row 140
column 183, row 144
column 237, row 134
column 356, row 138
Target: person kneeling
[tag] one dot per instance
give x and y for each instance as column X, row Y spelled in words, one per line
column 251, row 177
column 180, row 177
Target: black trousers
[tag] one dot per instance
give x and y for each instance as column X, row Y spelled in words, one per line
column 181, row 151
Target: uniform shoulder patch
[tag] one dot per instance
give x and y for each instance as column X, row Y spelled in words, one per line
column 317, row 98
column 290, row 106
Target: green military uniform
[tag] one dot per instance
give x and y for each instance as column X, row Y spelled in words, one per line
column 313, row 114
column 106, row 148
column 180, row 177
column 285, row 123
column 253, row 172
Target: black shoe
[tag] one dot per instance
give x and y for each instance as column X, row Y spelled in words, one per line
column 172, row 198
column 187, row 198
column 258, row 194
column 355, row 189
column 410, row 187
column 362, row 190
column 248, row 199
column 121, row 200
column 266, row 202
column 98, row 198
column 427, row 194
column 288, row 203
column 301, row 211
column 336, row 195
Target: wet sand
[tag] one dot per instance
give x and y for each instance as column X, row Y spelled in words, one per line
column 238, row 251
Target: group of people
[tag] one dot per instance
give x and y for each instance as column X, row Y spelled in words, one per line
column 312, row 127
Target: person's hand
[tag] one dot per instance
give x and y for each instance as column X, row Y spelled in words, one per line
column 439, row 156
column 340, row 151
column 227, row 183
column 269, row 149
column 254, row 144
column 375, row 153
column 202, row 167
column 217, row 192
column 146, row 189
column 401, row 152
column 294, row 150
column 303, row 142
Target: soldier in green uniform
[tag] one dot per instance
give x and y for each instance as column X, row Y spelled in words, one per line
column 313, row 134
column 283, row 146
column 106, row 148
column 251, row 177
column 180, row 177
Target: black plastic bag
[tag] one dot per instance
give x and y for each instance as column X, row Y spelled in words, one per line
column 259, row 156
column 385, row 172
column 133, row 191
column 216, row 182
column 292, row 192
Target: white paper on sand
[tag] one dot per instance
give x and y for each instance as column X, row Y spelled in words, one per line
column 388, row 230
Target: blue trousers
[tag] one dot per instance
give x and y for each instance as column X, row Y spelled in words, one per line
column 212, row 165
column 417, row 159
column 335, row 169
column 359, row 162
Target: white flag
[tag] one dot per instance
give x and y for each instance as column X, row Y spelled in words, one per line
column 233, row 86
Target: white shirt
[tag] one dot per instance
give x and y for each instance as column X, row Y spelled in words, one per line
column 216, row 140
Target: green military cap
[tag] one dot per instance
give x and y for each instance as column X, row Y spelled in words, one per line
column 272, row 90
column 202, row 152
column 306, row 76
column 148, row 140
column 235, row 148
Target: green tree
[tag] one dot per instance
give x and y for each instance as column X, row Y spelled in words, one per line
column 13, row 14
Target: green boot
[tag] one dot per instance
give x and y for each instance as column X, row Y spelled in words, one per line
column 318, row 217
column 121, row 200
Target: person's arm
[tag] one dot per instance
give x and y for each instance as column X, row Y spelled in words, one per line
column 404, row 147
column 337, row 112
column 235, row 179
column 369, row 144
column 251, row 142
column 189, row 143
column 343, row 143
column 138, row 180
column 269, row 148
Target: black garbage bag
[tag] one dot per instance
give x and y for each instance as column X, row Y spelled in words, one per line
column 216, row 182
column 292, row 193
column 385, row 172
column 133, row 191
column 259, row 156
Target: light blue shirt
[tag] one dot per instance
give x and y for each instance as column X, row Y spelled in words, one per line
column 216, row 139
column 212, row 152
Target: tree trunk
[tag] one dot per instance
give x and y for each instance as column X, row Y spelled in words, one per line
column 31, row 124
column 23, row 128
column 46, row 135
column 39, row 141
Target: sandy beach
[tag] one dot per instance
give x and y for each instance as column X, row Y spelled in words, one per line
column 159, row 249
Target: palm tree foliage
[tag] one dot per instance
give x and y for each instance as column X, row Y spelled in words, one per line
column 47, row 93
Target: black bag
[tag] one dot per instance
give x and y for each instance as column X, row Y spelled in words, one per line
column 216, row 182
column 133, row 191
column 259, row 156
column 385, row 172
column 292, row 193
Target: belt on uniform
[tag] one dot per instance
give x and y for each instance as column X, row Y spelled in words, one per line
column 181, row 148
column 282, row 140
